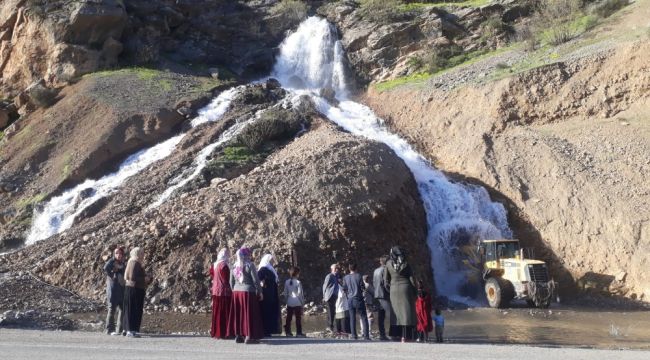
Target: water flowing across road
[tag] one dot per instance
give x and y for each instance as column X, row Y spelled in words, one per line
column 59, row 213
column 457, row 214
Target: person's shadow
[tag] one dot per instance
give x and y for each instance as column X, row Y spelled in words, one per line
column 281, row 340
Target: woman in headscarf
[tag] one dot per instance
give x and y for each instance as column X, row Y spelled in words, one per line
column 271, row 302
column 221, row 295
column 402, row 291
column 136, row 281
column 245, row 313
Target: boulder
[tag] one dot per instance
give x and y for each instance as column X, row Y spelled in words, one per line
column 4, row 118
column 92, row 23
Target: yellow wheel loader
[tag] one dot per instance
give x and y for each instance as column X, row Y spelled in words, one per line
column 507, row 275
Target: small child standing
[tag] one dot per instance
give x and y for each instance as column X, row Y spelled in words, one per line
column 342, row 314
column 295, row 301
column 440, row 325
column 423, row 312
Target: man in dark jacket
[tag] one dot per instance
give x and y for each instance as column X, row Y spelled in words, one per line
column 382, row 294
column 114, row 270
column 354, row 287
column 331, row 293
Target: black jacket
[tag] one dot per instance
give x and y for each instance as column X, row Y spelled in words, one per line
column 114, row 282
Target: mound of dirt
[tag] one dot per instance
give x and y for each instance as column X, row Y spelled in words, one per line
column 327, row 196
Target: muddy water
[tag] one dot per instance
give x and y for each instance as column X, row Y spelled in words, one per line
column 566, row 326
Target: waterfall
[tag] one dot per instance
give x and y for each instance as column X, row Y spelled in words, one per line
column 458, row 215
column 201, row 160
column 59, row 213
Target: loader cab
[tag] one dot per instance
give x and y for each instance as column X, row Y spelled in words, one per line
column 491, row 251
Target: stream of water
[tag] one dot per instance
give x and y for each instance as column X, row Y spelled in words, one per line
column 60, row 212
column 458, row 214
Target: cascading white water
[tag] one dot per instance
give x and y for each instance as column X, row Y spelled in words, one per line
column 457, row 214
column 201, row 161
column 303, row 62
column 60, row 212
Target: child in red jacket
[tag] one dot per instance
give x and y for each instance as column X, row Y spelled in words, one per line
column 423, row 311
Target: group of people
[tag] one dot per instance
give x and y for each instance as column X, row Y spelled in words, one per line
column 246, row 298
column 126, row 283
column 245, row 301
column 392, row 293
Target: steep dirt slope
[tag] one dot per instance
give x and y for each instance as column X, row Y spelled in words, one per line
column 565, row 144
column 95, row 123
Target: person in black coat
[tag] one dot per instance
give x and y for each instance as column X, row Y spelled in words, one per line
column 331, row 293
column 270, row 300
column 114, row 270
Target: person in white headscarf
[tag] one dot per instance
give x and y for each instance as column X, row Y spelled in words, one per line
column 221, row 296
column 136, row 281
column 271, row 301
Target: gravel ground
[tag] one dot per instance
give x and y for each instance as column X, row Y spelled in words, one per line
column 22, row 344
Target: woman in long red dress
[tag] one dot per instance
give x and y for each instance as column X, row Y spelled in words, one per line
column 423, row 312
column 245, row 313
column 221, row 296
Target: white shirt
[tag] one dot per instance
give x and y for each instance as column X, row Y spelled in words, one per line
column 293, row 293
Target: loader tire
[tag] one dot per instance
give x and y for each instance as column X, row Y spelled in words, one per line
column 499, row 292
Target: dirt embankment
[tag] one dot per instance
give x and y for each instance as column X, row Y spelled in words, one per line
column 94, row 124
column 566, row 145
column 326, row 196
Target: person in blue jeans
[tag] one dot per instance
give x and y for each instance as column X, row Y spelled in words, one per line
column 353, row 287
column 439, row 321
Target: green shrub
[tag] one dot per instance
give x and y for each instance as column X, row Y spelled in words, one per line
column 237, row 154
column 441, row 58
column 415, row 62
column 587, row 22
column 493, row 26
column 273, row 125
column 291, row 9
column 608, row 7
column 554, row 20
column 380, row 11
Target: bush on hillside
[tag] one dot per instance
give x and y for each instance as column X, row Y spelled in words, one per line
column 609, row 7
column 493, row 26
column 273, row 125
column 294, row 10
column 380, row 11
column 555, row 18
column 443, row 58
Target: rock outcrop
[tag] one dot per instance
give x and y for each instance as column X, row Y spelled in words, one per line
column 58, row 41
column 381, row 49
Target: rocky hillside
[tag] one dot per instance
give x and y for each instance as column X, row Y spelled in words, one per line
column 58, row 41
column 557, row 133
column 94, row 125
column 562, row 135
column 348, row 199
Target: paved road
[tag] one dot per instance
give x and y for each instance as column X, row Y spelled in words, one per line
column 33, row 344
